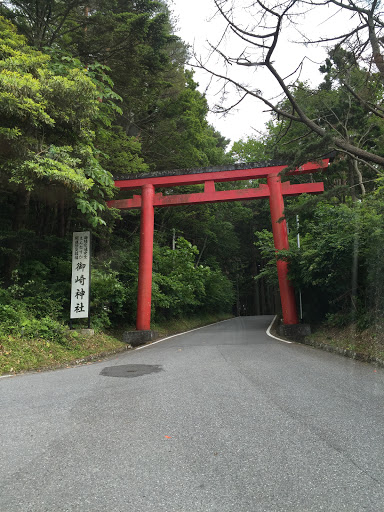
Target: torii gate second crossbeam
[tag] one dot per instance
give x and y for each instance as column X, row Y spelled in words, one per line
column 274, row 190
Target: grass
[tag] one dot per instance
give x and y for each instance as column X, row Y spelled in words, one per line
column 367, row 345
column 20, row 354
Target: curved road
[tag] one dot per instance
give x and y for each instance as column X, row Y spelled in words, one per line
column 223, row 418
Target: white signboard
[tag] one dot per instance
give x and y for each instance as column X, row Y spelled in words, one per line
column 81, row 274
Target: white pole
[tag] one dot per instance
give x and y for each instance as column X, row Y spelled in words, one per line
column 298, row 245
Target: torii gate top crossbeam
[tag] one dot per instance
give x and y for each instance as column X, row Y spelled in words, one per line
column 218, row 174
column 211, row 175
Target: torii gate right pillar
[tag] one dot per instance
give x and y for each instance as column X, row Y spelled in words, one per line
column 280, row 237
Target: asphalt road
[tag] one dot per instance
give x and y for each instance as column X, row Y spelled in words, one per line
column 222, row 419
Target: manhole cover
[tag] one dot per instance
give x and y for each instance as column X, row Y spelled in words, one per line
column 130, row 370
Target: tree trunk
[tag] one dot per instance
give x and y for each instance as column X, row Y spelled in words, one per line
column 351, row 179
column 13, row 259
column 359, row 177
column 62, row 219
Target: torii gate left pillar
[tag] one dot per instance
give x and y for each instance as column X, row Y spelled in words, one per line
column 274, row 190
column 144, row 293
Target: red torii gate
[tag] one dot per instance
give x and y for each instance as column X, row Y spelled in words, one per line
column 274, row 189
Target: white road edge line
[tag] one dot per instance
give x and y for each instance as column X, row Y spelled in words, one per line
column 268, row 332
column 6, row 376
column 180, row 334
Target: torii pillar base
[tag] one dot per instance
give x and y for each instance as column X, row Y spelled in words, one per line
column 294, row 331
column 137, row 338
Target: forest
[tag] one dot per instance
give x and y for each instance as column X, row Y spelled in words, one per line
column 91, row 92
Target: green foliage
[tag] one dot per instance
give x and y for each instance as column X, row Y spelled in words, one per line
column 18, row 318
column 47, row 120
column 181, row 287
column 182, row 138
column 251, row 150
column 371, row 250
column 324, row 265
column 108, row 296
column 69, row 122
column 339, row 263
column 119, row 153
column 264, row 242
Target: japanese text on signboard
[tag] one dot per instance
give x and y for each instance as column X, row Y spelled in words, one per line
column 81, row 266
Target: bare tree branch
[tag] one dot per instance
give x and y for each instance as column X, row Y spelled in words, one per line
column 375, row 109
column 269, row 19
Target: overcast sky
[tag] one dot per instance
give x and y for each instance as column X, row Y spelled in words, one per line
column 196, row 25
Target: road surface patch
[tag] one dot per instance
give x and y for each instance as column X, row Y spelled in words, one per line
column 130, row 370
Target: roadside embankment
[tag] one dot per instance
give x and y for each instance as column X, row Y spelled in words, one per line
column 363, row 345
column 68, row 348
